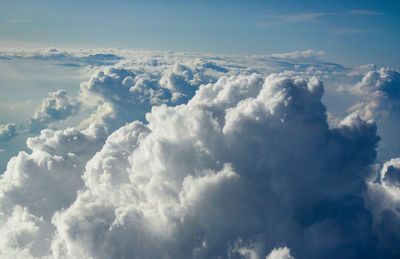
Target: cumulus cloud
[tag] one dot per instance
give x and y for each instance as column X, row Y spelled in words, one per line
column 382, row 87
column 200, row 175
column 128, row 91
column 8, row 131
column 384, row 200
column 37, row 185
column 247, row 157
column 383, row 82
column 59, row 106
column 219, row 162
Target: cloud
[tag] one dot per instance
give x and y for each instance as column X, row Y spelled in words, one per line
column 8, row 131
column 339, row 32
column 13, row 21
column 222, row 158
column 383, row 199
column 309, row 16
column 364, row 12
column 382, row 88
column 254, row 250
column 18, row 21
column 298, row 17
column 127, row 92
column 67, row 57
column 382, row 82
column 157, row 77
column 247, row 157
column 300, row 55
column 280, row 253
column 184, row 183
column 59, row 106
column 36, row 185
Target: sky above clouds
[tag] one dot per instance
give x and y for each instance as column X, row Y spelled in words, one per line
column 352, row 32
column 212, row 129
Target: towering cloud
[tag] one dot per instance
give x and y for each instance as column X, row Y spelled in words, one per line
column 247, row 158
column 384, row 82
column 383, row 89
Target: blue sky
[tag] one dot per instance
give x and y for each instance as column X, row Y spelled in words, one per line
column 352, row 32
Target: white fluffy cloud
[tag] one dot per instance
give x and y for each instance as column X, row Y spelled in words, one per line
column 380, row 92
column 383, row 82
column 59, row 106
column 8, row 131
column 382, row 87
column 280, row 253
column 37, row 185
column 247, row 157
column 127, row 92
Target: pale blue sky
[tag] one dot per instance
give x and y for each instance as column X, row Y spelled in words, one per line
column 350, row 32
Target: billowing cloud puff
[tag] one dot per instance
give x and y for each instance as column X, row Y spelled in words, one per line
column 247, row 158
column 122, row 95
column 384, row 82
column 59, row 106
column 384, row 200
column 127, row 92
column 280, row 253
column 8, row 131
column 37, row 185
column 382, row 87
column 380, row 92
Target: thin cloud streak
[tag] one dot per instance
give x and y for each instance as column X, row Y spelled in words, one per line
column 364, row 12
column 309, row 16
column 13, row 21
column 339, row 32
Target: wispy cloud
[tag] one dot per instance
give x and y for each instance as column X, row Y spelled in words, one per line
column 339, row 32
column 17, row 21
column 13, row 21
column 309, row 16
column 299, row 17
column 363, row 12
